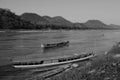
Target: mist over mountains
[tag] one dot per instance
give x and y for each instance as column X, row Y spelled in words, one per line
column 9, row 20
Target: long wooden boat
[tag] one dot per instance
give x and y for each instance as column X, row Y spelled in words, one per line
column 54, row 61
column 53, row 45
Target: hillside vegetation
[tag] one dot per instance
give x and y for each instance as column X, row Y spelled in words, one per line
column 9, row 20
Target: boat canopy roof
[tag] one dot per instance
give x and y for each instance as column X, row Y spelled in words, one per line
column 46, row 59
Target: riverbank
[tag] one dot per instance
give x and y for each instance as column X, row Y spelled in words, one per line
column 49, row 30
column 102, row 67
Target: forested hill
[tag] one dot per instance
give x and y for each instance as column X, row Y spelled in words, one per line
column 40, row 20
column 9, row 20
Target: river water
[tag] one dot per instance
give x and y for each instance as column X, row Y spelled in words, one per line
column 26, row 45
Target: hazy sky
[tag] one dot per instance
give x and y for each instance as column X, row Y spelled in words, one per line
column 107, row 11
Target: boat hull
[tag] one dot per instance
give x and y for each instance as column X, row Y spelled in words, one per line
column 53, row 64
column 47, row 46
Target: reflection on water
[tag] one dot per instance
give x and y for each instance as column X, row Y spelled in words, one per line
column 26, row 45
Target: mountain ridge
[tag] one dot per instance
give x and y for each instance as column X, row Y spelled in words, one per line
column 9, row 20
column 35, row 18
column 58, row 20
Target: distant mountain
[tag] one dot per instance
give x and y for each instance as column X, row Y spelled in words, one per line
column 114, row 26
column 57, row 20
column 9, row 20
column 60, row 21
column 95, row 24
column 48, row 18
column 33, row 18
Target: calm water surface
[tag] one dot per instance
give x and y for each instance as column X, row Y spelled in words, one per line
column 25, row 46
